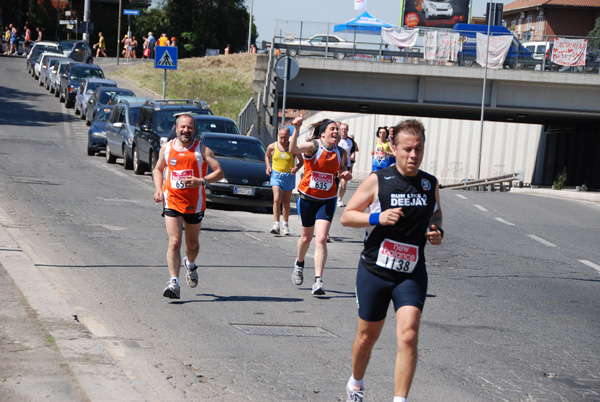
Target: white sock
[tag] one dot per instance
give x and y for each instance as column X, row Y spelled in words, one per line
column 175, row 279
column 354, row 383
column 399, row 399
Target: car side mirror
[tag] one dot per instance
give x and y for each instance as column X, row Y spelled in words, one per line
column 144, row 128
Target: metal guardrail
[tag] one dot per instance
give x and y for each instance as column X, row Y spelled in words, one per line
column 372, row 48
column 247, row 117
column 482, row 184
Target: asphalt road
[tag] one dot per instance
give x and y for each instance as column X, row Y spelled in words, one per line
column 513, row 312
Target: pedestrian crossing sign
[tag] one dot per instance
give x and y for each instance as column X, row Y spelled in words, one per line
column 166, row 57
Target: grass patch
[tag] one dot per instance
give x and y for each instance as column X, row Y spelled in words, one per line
column 224, row 82
column 50, row 338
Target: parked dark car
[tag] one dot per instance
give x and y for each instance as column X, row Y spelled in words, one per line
column 119, row 132
column 100, row 98
column 154, row 125
column 72, row 79
column 97, row 131
column 77, row 50
column 243, row 161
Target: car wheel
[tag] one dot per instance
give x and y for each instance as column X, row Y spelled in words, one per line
column 90, row 151
column 339, row 56
column 293, row 52
column 47, row 86
column 127, row 160
column 138, row 166
column 468, row 63
column 426, row 13
column 109, row 157
column 61, row 98
column 40, row 81
column 87, row 122
column 77, row 110
column 82, row 114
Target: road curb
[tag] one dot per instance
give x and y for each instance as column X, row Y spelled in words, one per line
column 95, row 372
column 566, row 194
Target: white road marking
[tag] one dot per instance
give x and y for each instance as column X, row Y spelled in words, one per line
column 590, row 264
column 505, row 222
column 544, row 242
column 479, row 207
column 254, row 237
column 462, row 197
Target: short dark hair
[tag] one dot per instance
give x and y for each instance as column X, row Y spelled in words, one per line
column 411, row 126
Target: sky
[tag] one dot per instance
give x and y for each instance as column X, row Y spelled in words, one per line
column 265, row 12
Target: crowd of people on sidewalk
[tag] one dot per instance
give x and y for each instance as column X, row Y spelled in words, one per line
column 397, row 204
column 130, row 45
column 11, row 36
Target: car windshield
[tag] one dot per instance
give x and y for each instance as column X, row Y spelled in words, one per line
column 93, row 85
column 103, row 114
column 53, row 62
column 105, row 96
column 227, row 127
column 164, row 122
column 80, row 73
column 237, row 148
column 68, row 46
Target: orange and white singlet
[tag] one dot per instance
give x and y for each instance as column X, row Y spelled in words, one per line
column 320, row 171
column 183, row 164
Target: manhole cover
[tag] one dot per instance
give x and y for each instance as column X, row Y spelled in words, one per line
column 284, row 330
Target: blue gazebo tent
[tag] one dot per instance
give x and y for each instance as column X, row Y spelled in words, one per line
column 364, row 23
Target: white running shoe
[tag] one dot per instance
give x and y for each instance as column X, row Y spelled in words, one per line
column 275, row 229
column 298, row 274
column 317, row 288
column 191, row 276
column 340, row 203
column 172, row 290
column 354, row 394
column 286, row 229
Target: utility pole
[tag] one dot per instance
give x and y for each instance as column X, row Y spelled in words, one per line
column 250, row 25
column 86, row 21
column 119, row 29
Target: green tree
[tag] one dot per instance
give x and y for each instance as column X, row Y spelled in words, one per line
column 594, row 35
column 205, row 24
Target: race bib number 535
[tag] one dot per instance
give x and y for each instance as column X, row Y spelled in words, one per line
column 400, row 257
column 177, row 177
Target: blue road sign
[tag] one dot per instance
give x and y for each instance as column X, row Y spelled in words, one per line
column 166, row 57
column 131, row 12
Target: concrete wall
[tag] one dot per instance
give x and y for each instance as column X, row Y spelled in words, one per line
column 452, row 146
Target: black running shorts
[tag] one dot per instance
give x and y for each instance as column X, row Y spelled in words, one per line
column 373, row 293
column 192, row 219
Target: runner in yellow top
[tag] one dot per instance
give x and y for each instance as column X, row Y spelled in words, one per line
column 283, row 179
column 383, row 151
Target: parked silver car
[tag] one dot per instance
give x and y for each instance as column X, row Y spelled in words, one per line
column 119, row 132
column 85, row 91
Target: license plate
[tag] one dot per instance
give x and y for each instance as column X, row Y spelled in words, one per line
column 243, row 190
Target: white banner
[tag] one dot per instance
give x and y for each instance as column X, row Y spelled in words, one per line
column 360, row 4
column 569, row 52
column 400, row 37
column 497, row 51
column 442, row 45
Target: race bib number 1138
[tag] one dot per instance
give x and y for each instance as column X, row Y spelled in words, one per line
column 400, row 257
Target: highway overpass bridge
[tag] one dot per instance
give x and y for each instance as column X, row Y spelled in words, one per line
column 521, row 96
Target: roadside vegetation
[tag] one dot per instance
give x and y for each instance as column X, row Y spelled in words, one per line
column 223, row 82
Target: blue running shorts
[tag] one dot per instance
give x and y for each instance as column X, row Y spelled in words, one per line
column 286, row 181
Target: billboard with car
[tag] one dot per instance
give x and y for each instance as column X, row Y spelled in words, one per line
column 435, row 13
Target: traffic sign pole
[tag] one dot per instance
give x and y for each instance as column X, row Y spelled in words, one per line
column 165, row 85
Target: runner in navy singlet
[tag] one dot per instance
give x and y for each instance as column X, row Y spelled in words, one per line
column 403, row 214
